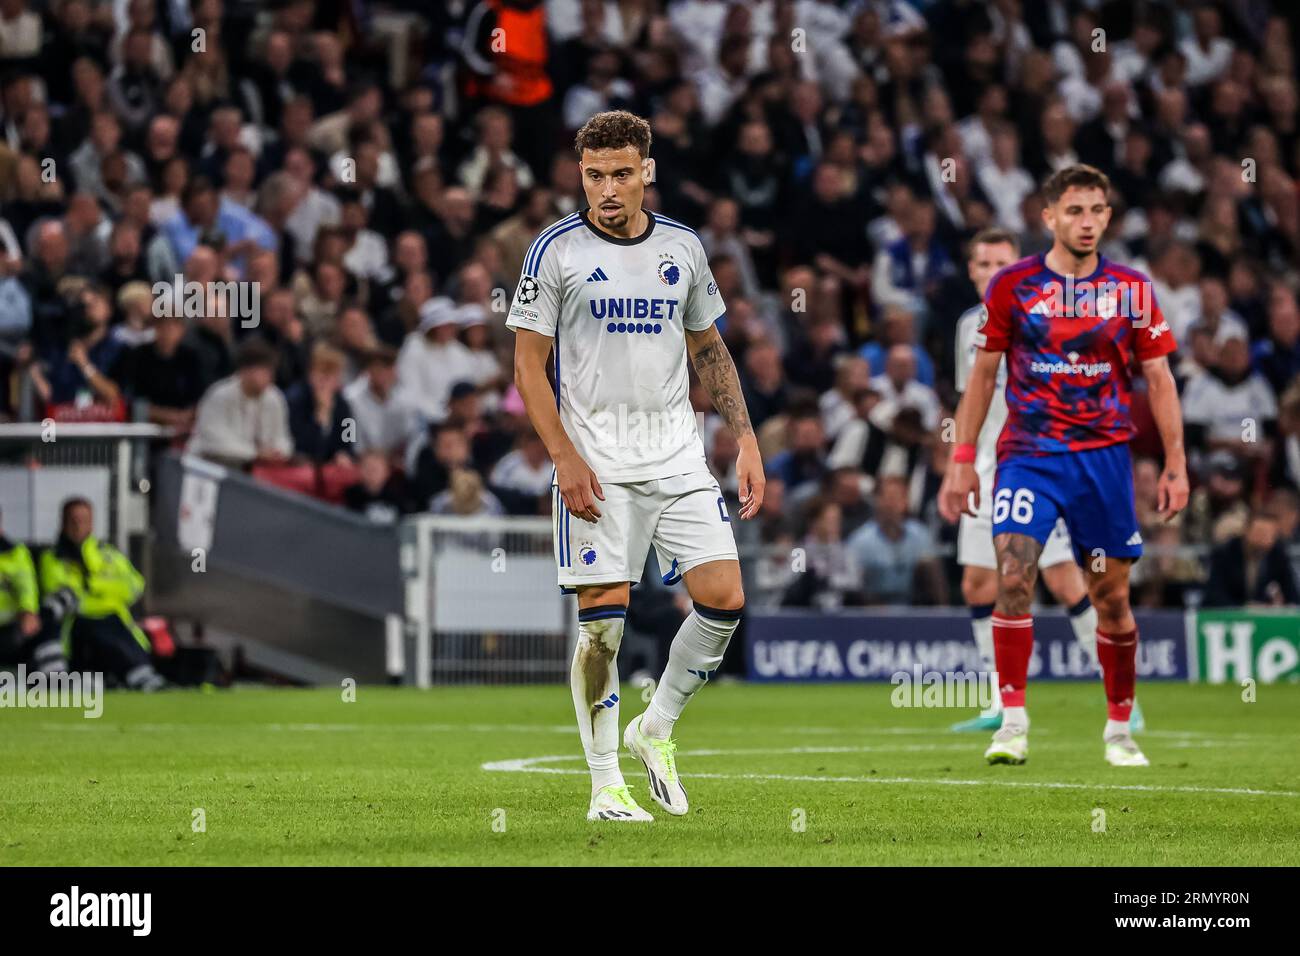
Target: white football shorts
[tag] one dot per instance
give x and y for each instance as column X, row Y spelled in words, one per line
column 684, row 517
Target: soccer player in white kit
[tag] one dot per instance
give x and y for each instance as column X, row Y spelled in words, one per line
column 989, row 251
column 623, row 296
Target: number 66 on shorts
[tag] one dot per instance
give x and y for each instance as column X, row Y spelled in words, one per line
column 1018, row 506
column 1092, row 490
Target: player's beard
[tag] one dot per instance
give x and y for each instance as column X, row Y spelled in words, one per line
column 1081, row 254
column 619, row 220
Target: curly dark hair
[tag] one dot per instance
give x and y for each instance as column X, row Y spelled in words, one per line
column 1081, row 175
column 614, row 129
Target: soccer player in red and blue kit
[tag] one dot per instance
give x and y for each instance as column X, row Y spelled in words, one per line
column 1071, row 324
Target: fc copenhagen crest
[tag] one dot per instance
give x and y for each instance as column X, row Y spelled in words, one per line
column 669, row 273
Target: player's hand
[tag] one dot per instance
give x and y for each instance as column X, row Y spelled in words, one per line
column 963, row 490
column 1171, row 492
column 947, row 509
column 750, row 477
column 579, row 487
column 28, row 623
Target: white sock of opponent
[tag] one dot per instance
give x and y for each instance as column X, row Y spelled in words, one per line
column 593, row 679
column 1083, row 621
column 694, row 658
column 981, row 625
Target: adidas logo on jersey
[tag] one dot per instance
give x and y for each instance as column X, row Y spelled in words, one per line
column 598, row 276
column 1135, row 539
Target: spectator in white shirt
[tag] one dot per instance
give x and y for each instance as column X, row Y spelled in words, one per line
column 485, row 367
column 1208, row 52
column 20, row 30
column 837, row 405
column 721, row 237
column 602, row 90
column 367, row 255
column 1174, row 276
column 386, row 420
column 1215, row 313
column 525, row 471
column 244, row 418
column 317, row 207
column 495, row 133
column 1004, row 181
column 432, row 359
column 1133, row 57
column 899, row 389
column 720, row 86
column 1190, row 171
column 1228, row 406
column 1058, row 129
column 977, row 129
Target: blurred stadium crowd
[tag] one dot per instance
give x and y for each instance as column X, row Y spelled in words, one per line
column 380, row 167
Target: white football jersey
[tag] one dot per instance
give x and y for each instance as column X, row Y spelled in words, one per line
column 969, row 340
column 618, row 310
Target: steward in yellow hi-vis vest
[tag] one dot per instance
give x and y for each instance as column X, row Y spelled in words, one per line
column 18, row 595
column 102, row 635
column 29, row 629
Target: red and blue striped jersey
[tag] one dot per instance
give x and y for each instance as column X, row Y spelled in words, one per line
column 1070, row 343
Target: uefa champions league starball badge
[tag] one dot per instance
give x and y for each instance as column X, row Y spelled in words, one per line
column 528, row 290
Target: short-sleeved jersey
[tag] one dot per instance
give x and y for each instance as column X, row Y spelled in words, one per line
column 618, row 310
column 1070, row 345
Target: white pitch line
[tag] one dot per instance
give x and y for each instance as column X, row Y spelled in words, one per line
column 890, row 748
column 313, row 728
column 530, row 765
column 1178, row 738
column 566, row 729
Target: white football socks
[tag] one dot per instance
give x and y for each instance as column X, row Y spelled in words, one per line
column 981, row 625
column 593, row 678
column 1083, row 621
column 1015, row 717
column 694, row 658
column 1116, row 728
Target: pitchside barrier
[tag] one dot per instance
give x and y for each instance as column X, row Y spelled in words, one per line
column 482, row 602
column 307, row 590
column 874, row 644
column 1211, row 645
column 44, row 463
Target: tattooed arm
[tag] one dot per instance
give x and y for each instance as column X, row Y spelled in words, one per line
column 717, row 372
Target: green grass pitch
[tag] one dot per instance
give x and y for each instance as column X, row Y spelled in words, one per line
column 397, row 777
